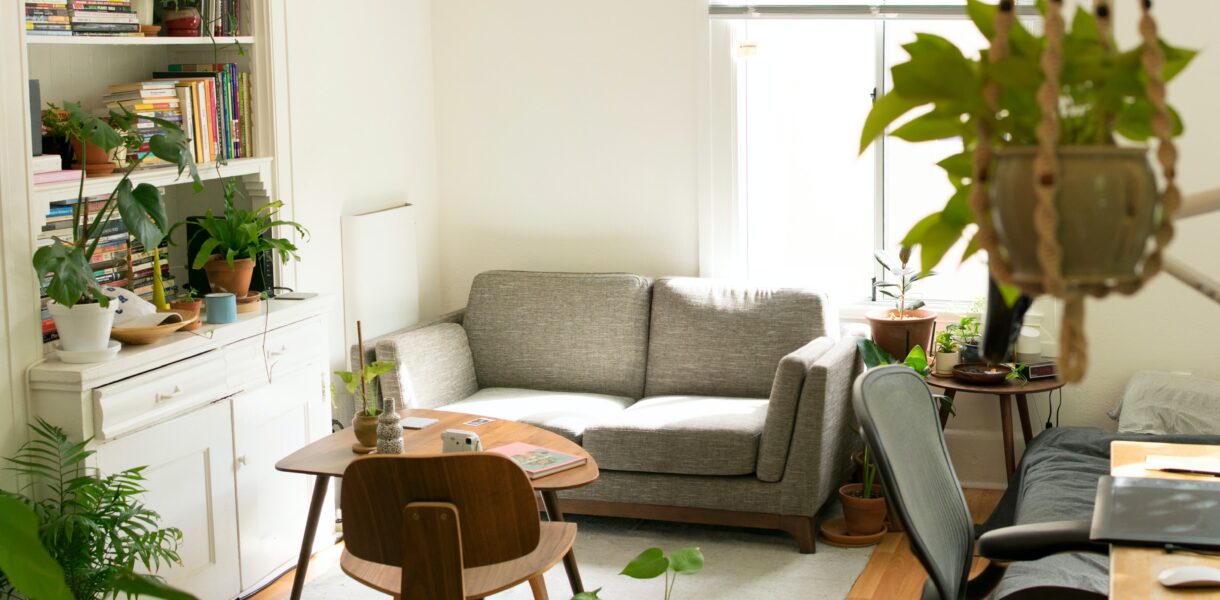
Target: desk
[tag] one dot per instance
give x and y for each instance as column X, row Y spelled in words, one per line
column 330, row 456
column 1133, row 569
column 1004, row 393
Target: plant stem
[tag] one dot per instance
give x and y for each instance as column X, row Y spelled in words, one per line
column 77, row 220
column 364, row 392
column 108, row 209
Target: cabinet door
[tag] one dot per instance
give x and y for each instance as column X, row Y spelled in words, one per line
column 190, row 483
column 269, row 423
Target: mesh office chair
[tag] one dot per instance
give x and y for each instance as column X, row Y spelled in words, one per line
column 902, row 427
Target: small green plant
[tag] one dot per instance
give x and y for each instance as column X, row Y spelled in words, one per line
column 899, row 291
column 653, row 563
column 917, row 360
column 1019, row 374
column 86, row 533
column 945, row 342
column 240, row 233
column 965, row 331
column 359, row 383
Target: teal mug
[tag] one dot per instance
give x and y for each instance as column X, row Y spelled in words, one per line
column 221, row 307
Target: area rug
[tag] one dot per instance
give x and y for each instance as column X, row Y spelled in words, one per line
column 740, row 563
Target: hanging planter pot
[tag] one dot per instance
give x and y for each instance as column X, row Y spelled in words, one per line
column 1106, row 205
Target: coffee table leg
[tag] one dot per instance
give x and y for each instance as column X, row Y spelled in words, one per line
column 311, row 529
column 551, row 500
column 1006, row 426
column 944, row 411
column 1023, row 410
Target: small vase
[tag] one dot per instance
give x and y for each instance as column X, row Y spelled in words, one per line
column 366, row 432
column 184, row 22
column 389, row 430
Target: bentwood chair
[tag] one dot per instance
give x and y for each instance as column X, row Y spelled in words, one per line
column 446, row 527
column 902, row 428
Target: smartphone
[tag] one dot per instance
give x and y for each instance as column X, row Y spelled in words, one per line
column 296, row 296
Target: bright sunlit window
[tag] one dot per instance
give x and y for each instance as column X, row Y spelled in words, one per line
column 812, row 209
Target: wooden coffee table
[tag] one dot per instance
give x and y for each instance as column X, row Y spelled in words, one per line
column 330, row 456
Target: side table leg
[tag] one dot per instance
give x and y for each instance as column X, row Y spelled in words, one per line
column 1023, row 410
column 944, row 412
column 551, row 500
column 311, row 529
column 1006, row 427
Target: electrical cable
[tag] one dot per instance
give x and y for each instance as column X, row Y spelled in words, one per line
column 1058, row 407
column 1050, row 408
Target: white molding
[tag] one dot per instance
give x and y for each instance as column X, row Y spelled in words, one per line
column 52, row 40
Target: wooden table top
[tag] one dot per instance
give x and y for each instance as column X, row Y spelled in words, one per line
column 332, row 454
column 1134, row 569
column 1033, row 386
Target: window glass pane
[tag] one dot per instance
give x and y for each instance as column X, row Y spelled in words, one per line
column 808, row 196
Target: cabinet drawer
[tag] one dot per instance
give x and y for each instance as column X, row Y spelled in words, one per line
column 260, row 360
column 157, row 395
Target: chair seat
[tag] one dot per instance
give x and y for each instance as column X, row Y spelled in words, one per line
column 555, row 541
column 565, row 413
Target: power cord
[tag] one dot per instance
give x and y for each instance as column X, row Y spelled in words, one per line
column 1050, row 408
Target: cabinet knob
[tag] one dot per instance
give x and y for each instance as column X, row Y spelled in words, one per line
column 163, row 396
column 241, row 460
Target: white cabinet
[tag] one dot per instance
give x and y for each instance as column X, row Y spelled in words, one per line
column 190, row 483
column 210, row 413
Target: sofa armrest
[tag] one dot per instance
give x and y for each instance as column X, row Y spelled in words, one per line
column 434, row 361
column 782, row 407
column 370, row 346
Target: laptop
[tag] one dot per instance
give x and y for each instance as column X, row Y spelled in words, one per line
column 1151, row 511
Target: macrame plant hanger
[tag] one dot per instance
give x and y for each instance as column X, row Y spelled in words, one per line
column 1073, row 346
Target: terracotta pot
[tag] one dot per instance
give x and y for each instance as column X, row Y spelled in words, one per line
column 366, row 429
column 892, row 522
column 898, row 336
column 1107, row 203
column 184, row 22
column 235, row 279
column 863, row 516
column 97, row 160
column 195, row 306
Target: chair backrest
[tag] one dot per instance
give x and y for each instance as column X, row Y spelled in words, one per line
column 902, row 428
column 493, row 498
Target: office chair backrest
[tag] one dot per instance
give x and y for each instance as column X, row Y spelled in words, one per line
column 496, row 511
column 902, row 430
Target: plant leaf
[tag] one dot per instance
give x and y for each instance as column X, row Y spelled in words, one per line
column 24, row 561
column 885, row 110
column 588, row 595
column 687, row 561
column 143, row 585
column 143, row 212
column 872, row 355
column 647, row 565
column 71, row 275
column 934, row 125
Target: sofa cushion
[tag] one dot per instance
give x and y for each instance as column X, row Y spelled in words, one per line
column 560, row 331
column 713, row 338
column 565, row 413
column 691, row 435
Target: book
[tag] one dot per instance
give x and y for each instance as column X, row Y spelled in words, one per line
column 47, row 163
column 105, row 27
column 538, row 461
column 104, row 17
column 56, row 176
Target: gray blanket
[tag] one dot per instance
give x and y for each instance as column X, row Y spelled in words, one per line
column 1057, row 481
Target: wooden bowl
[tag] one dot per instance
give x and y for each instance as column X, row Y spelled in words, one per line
column 981, row 373
column 139, row 336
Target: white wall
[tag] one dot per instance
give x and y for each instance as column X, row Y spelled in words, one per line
column 567, row 136
column 362, row 136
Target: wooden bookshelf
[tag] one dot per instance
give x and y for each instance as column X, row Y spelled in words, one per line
column 67, row 40
column 158, row 176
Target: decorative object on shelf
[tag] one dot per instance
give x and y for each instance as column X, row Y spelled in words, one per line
column 85, row 357
column 653, row 563
column 234, row 240
column 947, row 352
column 144, row 10
column 906, row 325
column 189, row 302
column 389, row 429
column 94, row 159
column 171, row 321
column 967, row 334
column 182, row 19
column 361, row 384
column 86, row 539
column 981, row 373
column 1040, row 118
column 221, row 308
column 73, row 287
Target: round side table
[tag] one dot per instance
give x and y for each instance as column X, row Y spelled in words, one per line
column 1004, row 392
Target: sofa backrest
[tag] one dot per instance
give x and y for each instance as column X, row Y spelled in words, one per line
column 715, row 338
column 576, row 332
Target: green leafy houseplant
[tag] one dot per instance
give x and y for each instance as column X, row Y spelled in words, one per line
column 946, row 342
column 1102, row 97
column 359, row 384
column 653, row 563
column 899, row 291
column 240, row 234
column 141, row 207
column 84, row 535
column 874, row 356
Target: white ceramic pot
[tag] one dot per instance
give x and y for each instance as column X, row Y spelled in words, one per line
column 84, row 327
column 945, row 362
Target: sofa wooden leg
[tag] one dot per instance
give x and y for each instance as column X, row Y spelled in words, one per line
column 802, row 529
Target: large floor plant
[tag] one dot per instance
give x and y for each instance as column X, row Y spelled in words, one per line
column 75, row 533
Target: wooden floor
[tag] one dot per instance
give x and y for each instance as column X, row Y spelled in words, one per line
column 892, row 573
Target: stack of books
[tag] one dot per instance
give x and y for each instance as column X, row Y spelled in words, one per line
column 47, row 17
column 147, row 99
column 47, row 169
column 110, row 260
column 221, row 105
column 223, row 16
column 104, row 18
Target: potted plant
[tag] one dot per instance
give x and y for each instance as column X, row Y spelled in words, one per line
column 83, row 314
column 181, row 18
column 1038, row 127
column 947, row 348
column 234, row 240
column 864, row 509
column 361, row 384
column 87, row 155
column 968, row 336
column 86, row 535
column 192, row 303
column 907, row 325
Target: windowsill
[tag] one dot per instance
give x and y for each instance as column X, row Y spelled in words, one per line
column 946, row 312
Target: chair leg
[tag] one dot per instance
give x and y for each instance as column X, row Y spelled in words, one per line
column 538, row 586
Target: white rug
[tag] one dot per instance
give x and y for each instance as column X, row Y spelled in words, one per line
column 740, row 563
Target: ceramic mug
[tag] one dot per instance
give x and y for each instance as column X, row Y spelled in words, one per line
column 221, row 308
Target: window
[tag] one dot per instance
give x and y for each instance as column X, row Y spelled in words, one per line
column 808, row 208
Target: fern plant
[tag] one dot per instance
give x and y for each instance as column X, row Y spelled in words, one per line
column 94, row 526
column 241, row 233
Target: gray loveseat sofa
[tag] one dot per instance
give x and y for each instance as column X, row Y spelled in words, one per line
column 702, row 402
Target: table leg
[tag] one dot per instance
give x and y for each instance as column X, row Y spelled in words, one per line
column 551, row 500
column 944, row 411
column 1006, row 427
column 311, row 529
column 1023, row 410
